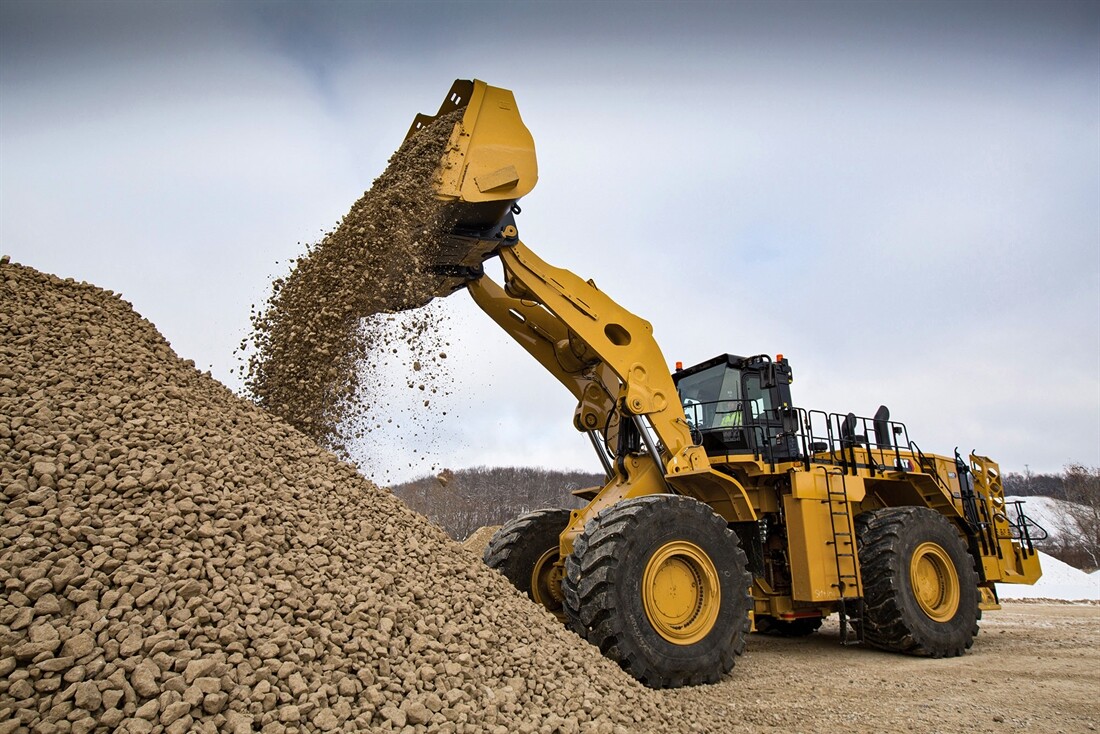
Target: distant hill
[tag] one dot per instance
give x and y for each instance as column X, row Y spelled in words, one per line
column 465, row 500
column 1043, row 511
column 1063, row 537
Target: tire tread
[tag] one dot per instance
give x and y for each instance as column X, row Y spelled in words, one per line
column 593, row 565
column 891, row 620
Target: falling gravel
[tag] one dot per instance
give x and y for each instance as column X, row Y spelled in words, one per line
column 313, row 342
column 173, row 558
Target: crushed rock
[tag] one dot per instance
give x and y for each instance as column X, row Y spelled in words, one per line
column 478, row 540
column 313, row 342
column 173, row 558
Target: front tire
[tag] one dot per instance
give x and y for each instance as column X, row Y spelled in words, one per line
column 526, row 551
column 661, row 586
column 919, row 584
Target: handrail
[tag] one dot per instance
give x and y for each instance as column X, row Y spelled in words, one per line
column 1021, row 526
column 816, row 434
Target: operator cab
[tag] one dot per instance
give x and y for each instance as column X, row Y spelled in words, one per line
column 740, row 405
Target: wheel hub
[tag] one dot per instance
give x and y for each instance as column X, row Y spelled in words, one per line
column 546, row 579
column 935, row 582
column 680, row 592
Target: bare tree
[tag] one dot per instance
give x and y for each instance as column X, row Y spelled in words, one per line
column 467, row 499
column 1078, row 519
column 1030, row 484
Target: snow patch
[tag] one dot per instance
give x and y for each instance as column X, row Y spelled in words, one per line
column 1059, row 581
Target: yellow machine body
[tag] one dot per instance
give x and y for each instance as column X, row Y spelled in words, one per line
column 609, row 360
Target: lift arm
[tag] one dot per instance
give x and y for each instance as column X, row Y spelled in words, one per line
column 603, row 354
column 608, row 359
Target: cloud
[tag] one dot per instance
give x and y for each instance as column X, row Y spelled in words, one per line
column 900, row 198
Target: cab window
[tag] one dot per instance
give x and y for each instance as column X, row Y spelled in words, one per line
column 758, row 399
column 711, row 396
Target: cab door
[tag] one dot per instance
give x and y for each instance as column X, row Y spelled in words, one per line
column 764, row 406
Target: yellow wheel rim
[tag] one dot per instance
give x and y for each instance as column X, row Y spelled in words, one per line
column 680, row 592
column 935, row 582
column 546, row 582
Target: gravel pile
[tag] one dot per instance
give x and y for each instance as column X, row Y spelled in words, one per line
column 479, row 539
column 174, row 558
column 312, row 343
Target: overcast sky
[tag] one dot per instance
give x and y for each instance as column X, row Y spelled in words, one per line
column 902, row 198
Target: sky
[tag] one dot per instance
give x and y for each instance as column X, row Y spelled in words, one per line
column 902, row 198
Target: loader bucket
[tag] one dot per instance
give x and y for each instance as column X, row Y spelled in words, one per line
column 488, row 165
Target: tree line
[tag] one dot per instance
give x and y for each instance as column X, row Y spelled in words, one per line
column 1030, row 484
column 1075, row 537
column 465, row 500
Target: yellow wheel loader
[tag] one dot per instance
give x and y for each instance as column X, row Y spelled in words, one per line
column 725, row 504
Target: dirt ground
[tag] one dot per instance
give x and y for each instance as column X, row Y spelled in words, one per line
column 1034, row 667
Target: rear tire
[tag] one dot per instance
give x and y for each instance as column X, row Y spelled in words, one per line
column 661, row 586
column 525, row 550
column 920, row 588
